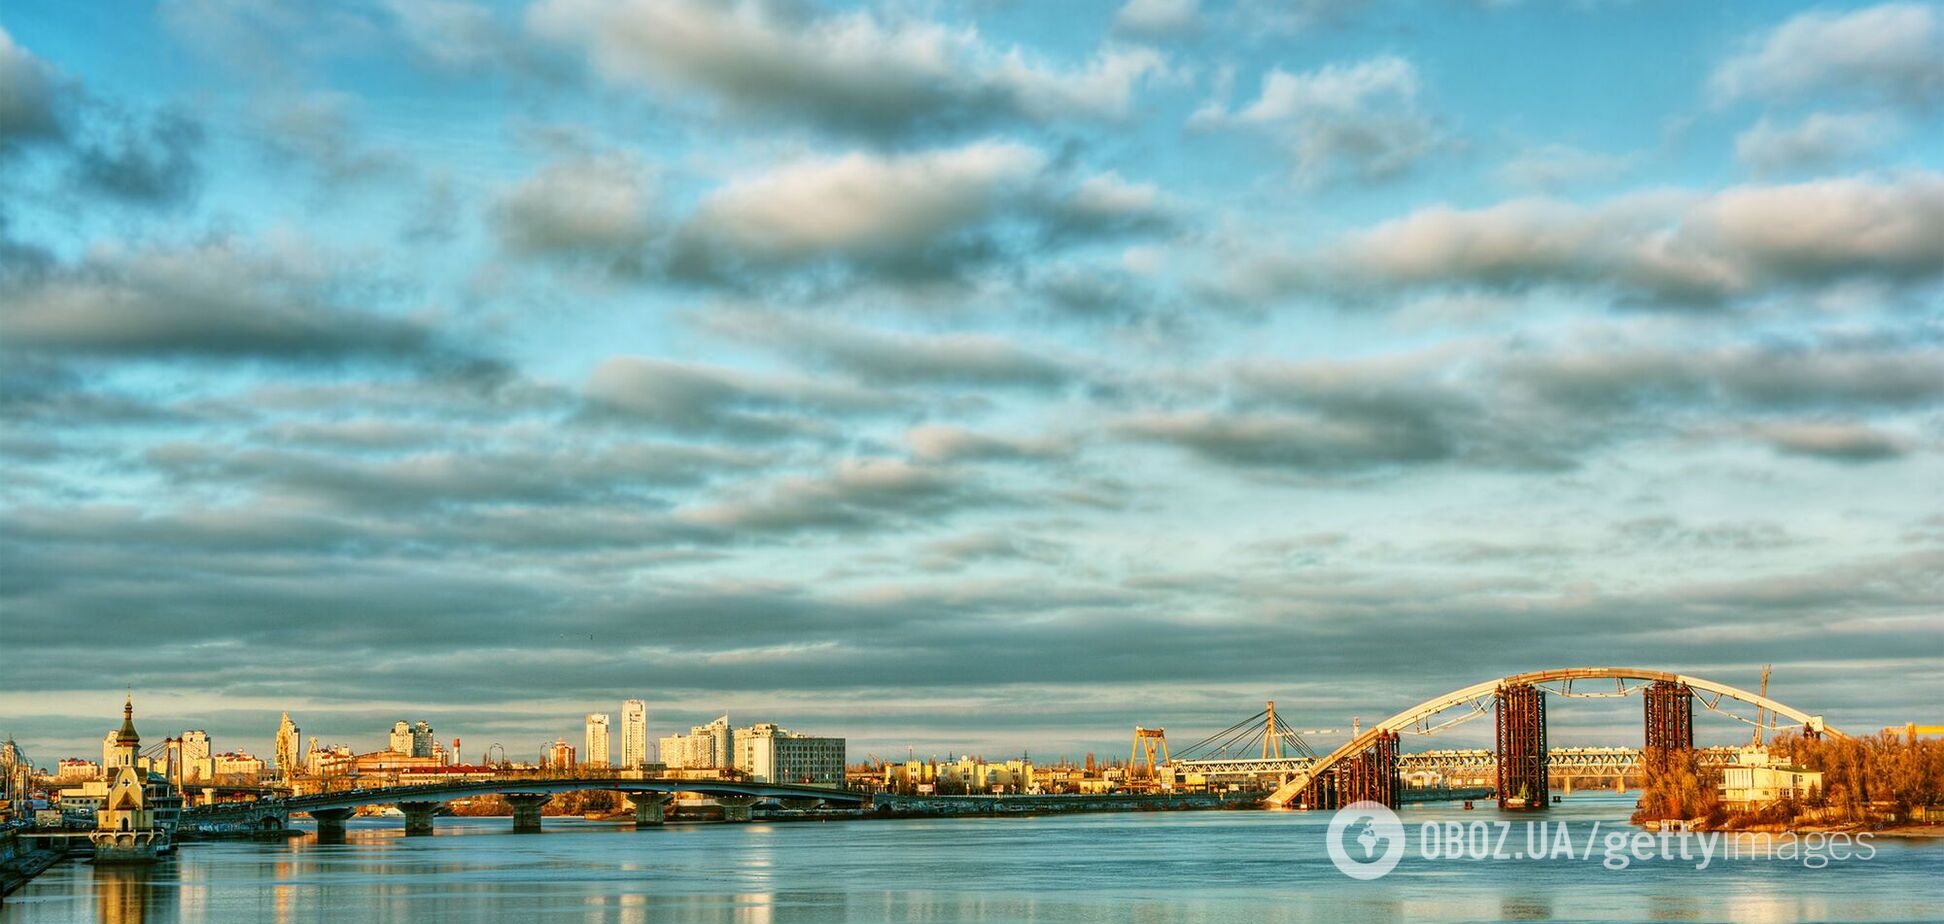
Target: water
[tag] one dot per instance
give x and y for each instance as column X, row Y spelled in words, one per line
column 1194, row 866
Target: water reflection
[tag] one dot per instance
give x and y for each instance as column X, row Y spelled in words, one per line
column 1209, row 867
column 134, row 893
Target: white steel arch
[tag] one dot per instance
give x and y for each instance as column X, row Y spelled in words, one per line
column 1412, row 719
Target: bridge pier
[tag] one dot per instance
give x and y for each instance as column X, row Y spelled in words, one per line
column 1669, row 710
column 650, row 808
column 526, row 810
column 736, row 808
column 418, row 817
column 1522, row 747
column 330, row 824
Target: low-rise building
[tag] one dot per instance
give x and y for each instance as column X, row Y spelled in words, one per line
column 1754, row 780
column 236, row 766
column 74, row 769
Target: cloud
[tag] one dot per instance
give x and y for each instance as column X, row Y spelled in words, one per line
column 1555, row 166
column 1663, row 532
column 454, row 35
column 1818, row 142
column 879, row 357
column 1520, row 405
column 317, row 130
column 958, row 552
column 853, row 495
column 1158, row 19
column 850, row 74
column 155, row 165
column 1891, row 53
column 1663, row 248
column 627, row 474
column 108, row 152
column 593, row 208
column 944, row 443
column 211, row 301
column 1317, row 443
column 1836, row 441
column 1360, row 121
column 695, row 398
column 923, row 216
column 28, row 91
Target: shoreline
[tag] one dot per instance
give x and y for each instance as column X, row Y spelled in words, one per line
column 22, row 869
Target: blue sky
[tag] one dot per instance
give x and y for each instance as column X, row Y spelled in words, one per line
column 974, row 376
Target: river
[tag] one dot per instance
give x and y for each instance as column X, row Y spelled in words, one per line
column 1182, row 866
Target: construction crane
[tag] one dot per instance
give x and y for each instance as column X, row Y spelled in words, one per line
column 1760, row 711
column 1911, row 730
column 1145, row 741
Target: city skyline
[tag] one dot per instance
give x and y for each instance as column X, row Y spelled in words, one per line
column 978, row 377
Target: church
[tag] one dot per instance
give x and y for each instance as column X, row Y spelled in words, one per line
column 136, row 821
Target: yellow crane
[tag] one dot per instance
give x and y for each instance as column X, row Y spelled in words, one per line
column 1911, row 730
column 1145, row 740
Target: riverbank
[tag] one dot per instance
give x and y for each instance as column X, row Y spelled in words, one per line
column 20, row 869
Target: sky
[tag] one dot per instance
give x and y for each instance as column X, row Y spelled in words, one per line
column 961, row 376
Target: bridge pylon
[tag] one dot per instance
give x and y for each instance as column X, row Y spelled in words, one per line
column 1521, row 709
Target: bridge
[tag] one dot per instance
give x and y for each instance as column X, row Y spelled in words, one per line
column 1367, row 766
column 421, row 802
column 1587, row 763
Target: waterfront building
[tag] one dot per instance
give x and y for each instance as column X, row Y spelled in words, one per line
column 284, row 749
column 597, row 751
column 634, row 734
column 1755, row 780
column 705, row 747
column 968, row 775
column 772, row 754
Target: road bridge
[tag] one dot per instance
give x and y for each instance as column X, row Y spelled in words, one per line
column 420, row 802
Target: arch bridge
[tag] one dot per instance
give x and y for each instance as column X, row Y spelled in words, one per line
column 1366, row 766
column 527, row 794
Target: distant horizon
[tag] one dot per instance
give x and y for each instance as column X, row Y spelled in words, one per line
column 984, row 377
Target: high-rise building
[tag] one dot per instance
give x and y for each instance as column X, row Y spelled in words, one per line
column 634, row 734
column 597, row 752
column 284, row 751
column 401, row 738
column 423, row 742
column 773, row 754
column 705, row 747
column 558, row 756
column 196, row 763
